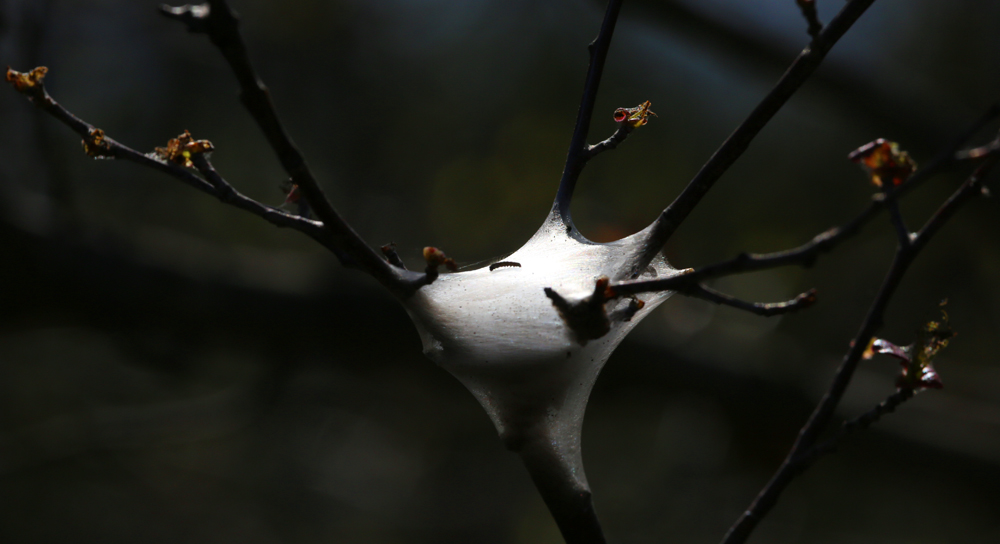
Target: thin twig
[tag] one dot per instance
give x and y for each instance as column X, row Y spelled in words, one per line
column 578, row 153
column 221, row 25
column 389, row 250
column 979, row 152
column 950, row 154
column 821, row 416
column 111, row 148
column 765, row 309
column 803, row 255
column 895, row 215
column 805, row 459
column 624, row 129
column 401, row 282
column 657, row 234
column 808, row 8
column 824, row 242
column 861, row 422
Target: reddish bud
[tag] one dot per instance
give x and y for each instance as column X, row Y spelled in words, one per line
column 435, row 257
column 637, row 116
column 884, row 160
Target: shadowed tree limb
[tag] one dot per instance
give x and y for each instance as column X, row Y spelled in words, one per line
column 952, row 153
column 803, row 255
column 657, row 234
column 624, row 129
column 579, row 152
column 979, row 152
column 107, row 147
column 98, row 145
column 821, row 416
column 220, row 23
column 808, row 8
column 806, row 254
column 765, row 309
column 804, row 460
column 861, row 422
column 896, row 216
column 389, row 250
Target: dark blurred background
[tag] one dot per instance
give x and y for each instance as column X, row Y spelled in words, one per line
column 173, row 370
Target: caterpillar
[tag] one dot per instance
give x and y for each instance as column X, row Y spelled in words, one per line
column 502, row 264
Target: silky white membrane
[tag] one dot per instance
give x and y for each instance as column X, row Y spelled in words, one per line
column 499, row 334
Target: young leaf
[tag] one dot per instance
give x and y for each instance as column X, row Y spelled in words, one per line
column 917, row 358
column 180, row 149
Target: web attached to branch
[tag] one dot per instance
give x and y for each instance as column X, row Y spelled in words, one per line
column 498, row 333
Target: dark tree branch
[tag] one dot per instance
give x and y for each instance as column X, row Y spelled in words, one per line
column 804, row 460
column 861, row 422
column 821, row 416
column 808, row 8
column 624, row 129
column 579, row 153
column 972, row 188
column 216, row 186
column 97, row 144
column 389, row 250
column 765, row 309
column 806, row 254
column 979, row 152
column 890, row 194
column 657, row 234
column 803, row 255
column 218, row 21
column 951, row 153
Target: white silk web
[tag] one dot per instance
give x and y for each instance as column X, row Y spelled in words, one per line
column 499, row 334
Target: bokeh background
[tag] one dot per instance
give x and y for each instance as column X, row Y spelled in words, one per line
column 173, row 370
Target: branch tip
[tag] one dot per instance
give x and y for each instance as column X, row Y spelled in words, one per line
column 808, row 8
column 27, row 82
column 635, row 117
column 884, row 161
column 586, row 318
column 389, row 250
column 579, row 151
column 628, row 119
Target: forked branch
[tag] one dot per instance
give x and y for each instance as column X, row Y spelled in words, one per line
column 579, row 153
column 803, row 452
column 764, row 309
column 221, row 24
column 98, row 144
column 806, row 254
column 808, row 8
column 657, row 234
